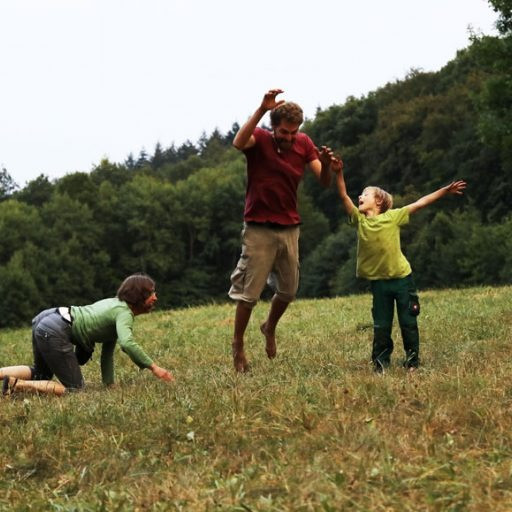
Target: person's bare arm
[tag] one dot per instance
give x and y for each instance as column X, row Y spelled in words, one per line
column 454, row 188
column 244, row 138
column 337, row 168
column 321, row 167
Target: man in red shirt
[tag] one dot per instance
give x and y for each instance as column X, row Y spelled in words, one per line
column 276, row 161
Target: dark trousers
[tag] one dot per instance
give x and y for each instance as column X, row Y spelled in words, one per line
column 54, row 353
column 386, row 293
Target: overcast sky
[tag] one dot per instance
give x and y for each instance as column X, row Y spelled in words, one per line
column 83, row 80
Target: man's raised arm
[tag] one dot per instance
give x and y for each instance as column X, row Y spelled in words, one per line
column 244, row 138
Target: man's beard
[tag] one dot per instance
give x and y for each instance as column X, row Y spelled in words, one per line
column 284, row 144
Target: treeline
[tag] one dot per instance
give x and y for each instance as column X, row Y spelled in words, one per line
column 177, row 213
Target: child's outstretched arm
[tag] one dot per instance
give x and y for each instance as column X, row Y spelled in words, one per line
column 454, row 188
column 337, row 168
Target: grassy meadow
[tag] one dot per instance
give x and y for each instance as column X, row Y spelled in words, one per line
column 314, row 429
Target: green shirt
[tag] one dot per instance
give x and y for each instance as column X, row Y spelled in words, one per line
column 107, row 321
column 379, row 255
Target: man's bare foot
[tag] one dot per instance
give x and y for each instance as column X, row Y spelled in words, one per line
column 270, row 346
column 239, row 360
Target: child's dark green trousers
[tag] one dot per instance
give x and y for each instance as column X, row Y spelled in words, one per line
column 387, row 292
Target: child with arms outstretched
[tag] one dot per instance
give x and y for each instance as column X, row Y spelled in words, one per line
column 381, row 261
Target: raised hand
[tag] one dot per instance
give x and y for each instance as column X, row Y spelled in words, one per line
column 326, row 156
column 337, row 165
column 269, row 100
column 456, row 187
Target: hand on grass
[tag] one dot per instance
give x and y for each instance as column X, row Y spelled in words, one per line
column 161, row 373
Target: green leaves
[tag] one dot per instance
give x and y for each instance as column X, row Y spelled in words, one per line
column 177, row 214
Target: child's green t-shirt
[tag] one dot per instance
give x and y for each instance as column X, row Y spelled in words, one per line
column 379, row 255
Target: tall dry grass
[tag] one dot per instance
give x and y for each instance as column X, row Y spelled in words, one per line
column 314, row 429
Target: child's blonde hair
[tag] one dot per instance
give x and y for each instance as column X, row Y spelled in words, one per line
column 383, row 199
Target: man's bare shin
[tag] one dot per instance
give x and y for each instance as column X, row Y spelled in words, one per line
column 268, row 328
column 277, row 309
column 242, row 316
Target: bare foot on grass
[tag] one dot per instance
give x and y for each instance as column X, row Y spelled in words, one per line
column 270, row 338
column 239, row 359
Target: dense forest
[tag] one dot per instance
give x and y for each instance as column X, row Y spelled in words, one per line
column 177, row 213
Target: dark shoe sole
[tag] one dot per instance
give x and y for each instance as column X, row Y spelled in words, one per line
column 7, row 388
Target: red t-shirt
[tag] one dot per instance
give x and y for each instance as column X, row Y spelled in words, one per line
column 273, row 178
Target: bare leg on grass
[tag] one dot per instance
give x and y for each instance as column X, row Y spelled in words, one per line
column 242, row 316
column 268, row 328
column 20, row 372
column 49, row 387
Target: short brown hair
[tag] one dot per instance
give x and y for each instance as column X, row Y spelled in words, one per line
column 288, row 111
column 383, row 199
column 135, row 289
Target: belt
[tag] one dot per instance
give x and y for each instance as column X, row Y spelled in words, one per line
column 271, row 225
column 65, row 313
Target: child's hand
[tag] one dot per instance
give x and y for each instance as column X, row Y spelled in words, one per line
column 456, row 187
column 337, row 165
column 326, row 155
